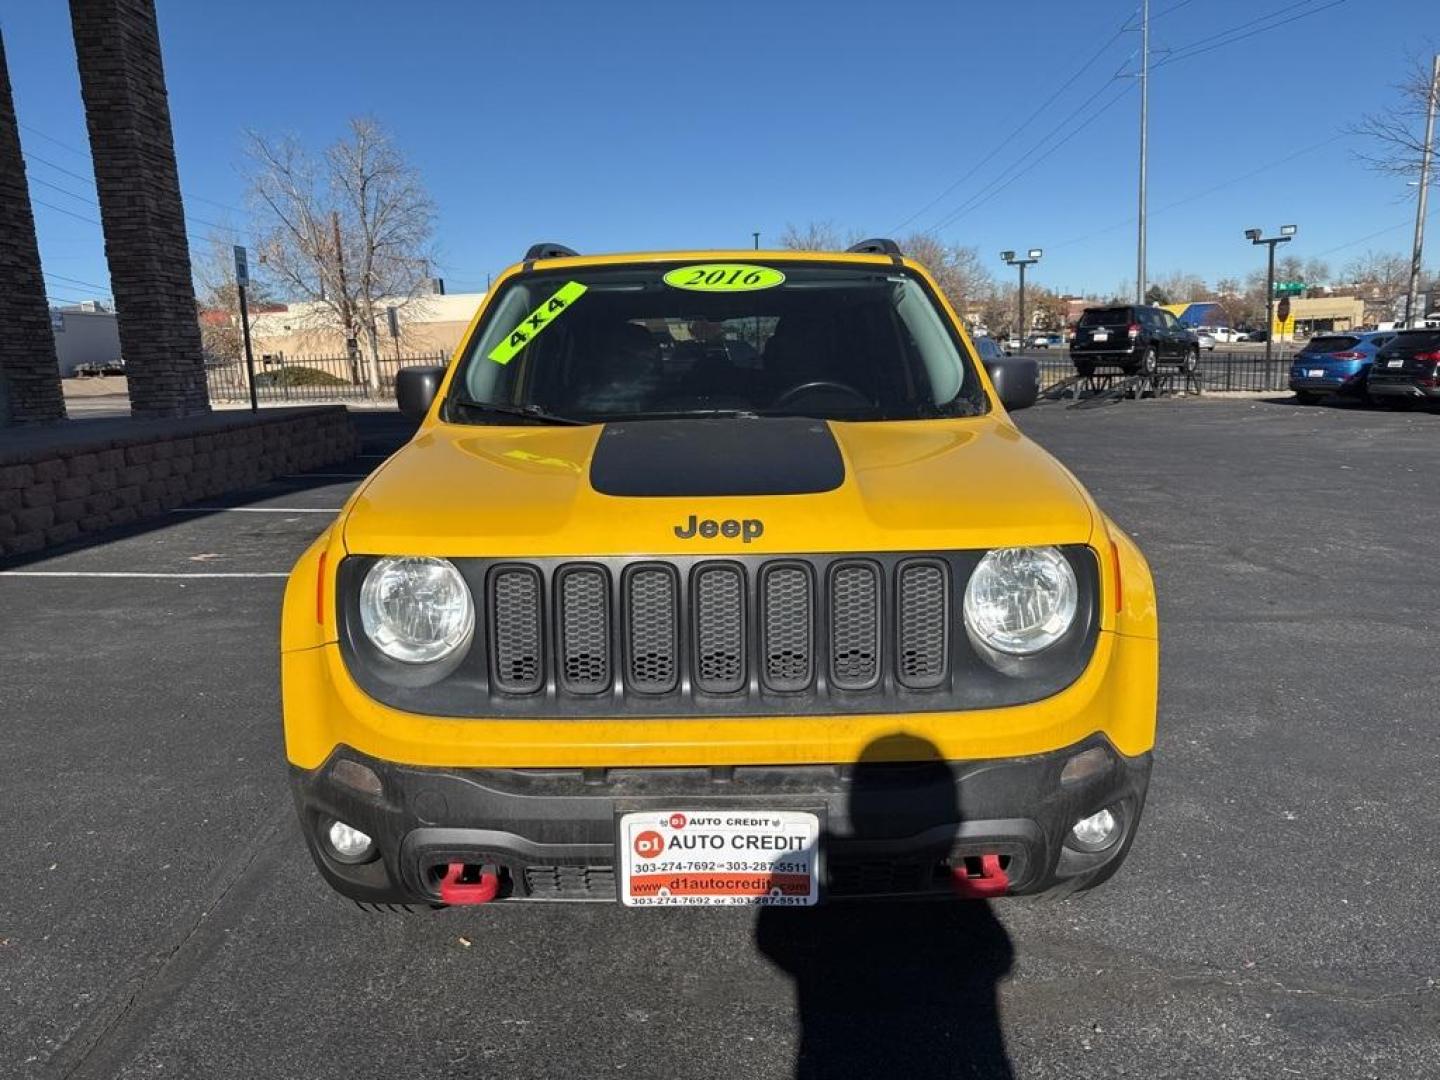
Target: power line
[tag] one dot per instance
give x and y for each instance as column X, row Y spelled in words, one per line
column 63, row 191
column 68, row 172
column 52, row 139
column 31, row 156
column 77, row 281
column 1198, row 48
column 1201, row 194
column 87, row 156
column 62, row 210
column 1014, row 134
column 1003, row 181
column 1373, row 235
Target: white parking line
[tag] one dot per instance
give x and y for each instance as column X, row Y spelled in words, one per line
column 254, row 510
column 130, row 574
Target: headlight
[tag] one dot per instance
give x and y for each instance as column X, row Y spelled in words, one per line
column 416, row 610
column 1020, row 600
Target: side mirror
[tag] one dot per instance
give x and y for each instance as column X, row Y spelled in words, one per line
column 415, row 389
column 1017, row 381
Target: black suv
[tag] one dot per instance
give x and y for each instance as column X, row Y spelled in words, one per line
column 1135, row 338
column 1407, row 370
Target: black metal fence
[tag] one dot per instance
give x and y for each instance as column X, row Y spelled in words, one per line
column 1218, row 371
column 281, row 378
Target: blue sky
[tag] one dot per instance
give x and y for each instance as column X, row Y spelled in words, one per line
column 614, row 126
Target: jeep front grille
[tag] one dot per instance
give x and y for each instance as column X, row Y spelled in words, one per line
column 740, row 635
column 805, row 627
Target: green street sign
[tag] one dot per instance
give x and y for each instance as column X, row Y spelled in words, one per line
column 1289, row 288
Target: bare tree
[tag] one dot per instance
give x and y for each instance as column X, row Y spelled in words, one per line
column 958, row 269
column 1381, row 275
column 1397, row 135
column 998, row 309
column 812, row 236
column 348, row 230
column 1179, row 286
column 218, row 299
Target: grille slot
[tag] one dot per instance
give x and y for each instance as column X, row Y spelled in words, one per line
column 719, row 605
column 570, row 882
column 652, row 623
column 855, row 626
column 518, row 657
column 922, row 625
column 584, row 630
column 788, row 617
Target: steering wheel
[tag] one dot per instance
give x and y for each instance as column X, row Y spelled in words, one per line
column 801, row 389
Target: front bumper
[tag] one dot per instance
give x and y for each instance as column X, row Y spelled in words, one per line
column 1403, row 390
column 889, row 828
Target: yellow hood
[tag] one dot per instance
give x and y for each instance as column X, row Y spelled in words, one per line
column 513, row 491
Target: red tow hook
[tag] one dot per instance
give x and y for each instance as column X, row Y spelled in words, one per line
column 481, row 891
column 992, row 880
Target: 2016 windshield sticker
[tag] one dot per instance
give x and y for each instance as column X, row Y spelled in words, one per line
column 724, row 277
column 536, row 321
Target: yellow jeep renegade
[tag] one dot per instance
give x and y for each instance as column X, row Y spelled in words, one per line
column 699, row 571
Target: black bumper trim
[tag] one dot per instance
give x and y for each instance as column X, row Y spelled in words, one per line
column 884, row 821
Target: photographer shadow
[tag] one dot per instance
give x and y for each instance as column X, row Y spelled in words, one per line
column 895, row 987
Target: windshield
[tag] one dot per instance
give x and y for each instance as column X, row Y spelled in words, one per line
column 638, row 341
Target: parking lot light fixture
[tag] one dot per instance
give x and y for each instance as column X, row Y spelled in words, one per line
column 1255, row 236
column 1032, row 257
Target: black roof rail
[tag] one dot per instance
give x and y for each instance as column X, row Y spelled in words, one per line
column 550, row 251
column 876, row 245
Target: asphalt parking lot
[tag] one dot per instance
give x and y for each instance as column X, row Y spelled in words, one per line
column 160, row 917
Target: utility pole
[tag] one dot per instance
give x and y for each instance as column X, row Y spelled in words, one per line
column 1032, row 257
column 1144, row 148
column 1253, row 235
column 242, row 280
column 1417, row 253
column 756, row 235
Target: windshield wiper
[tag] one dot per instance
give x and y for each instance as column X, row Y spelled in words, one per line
column 538, row 413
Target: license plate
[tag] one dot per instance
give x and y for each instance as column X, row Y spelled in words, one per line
column 1100, row 335
column 727, row 858
column 1394, row 363
column 1316, row 373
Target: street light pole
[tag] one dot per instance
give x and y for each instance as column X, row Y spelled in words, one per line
column 1417, row 253
column 1253, row 235
column 1140, row 268
column 1032, row 256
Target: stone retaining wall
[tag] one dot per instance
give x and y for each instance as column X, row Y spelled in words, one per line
column 53, row 492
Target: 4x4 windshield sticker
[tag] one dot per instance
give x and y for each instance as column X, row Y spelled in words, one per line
column 536, row 321
column 724, row 277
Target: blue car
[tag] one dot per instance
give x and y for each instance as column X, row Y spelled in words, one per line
column 1335, row 363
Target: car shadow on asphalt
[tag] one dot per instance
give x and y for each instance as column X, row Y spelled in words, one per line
column 895, row 988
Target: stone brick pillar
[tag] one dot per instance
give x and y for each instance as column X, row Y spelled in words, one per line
column 117, row 44
column 29, row 373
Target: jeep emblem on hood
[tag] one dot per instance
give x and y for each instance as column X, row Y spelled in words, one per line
column 708, row 528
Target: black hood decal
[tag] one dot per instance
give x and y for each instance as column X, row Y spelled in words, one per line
column 719, row 456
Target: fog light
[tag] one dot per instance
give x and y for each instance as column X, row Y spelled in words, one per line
column 347, row 843
column 1096, row 832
